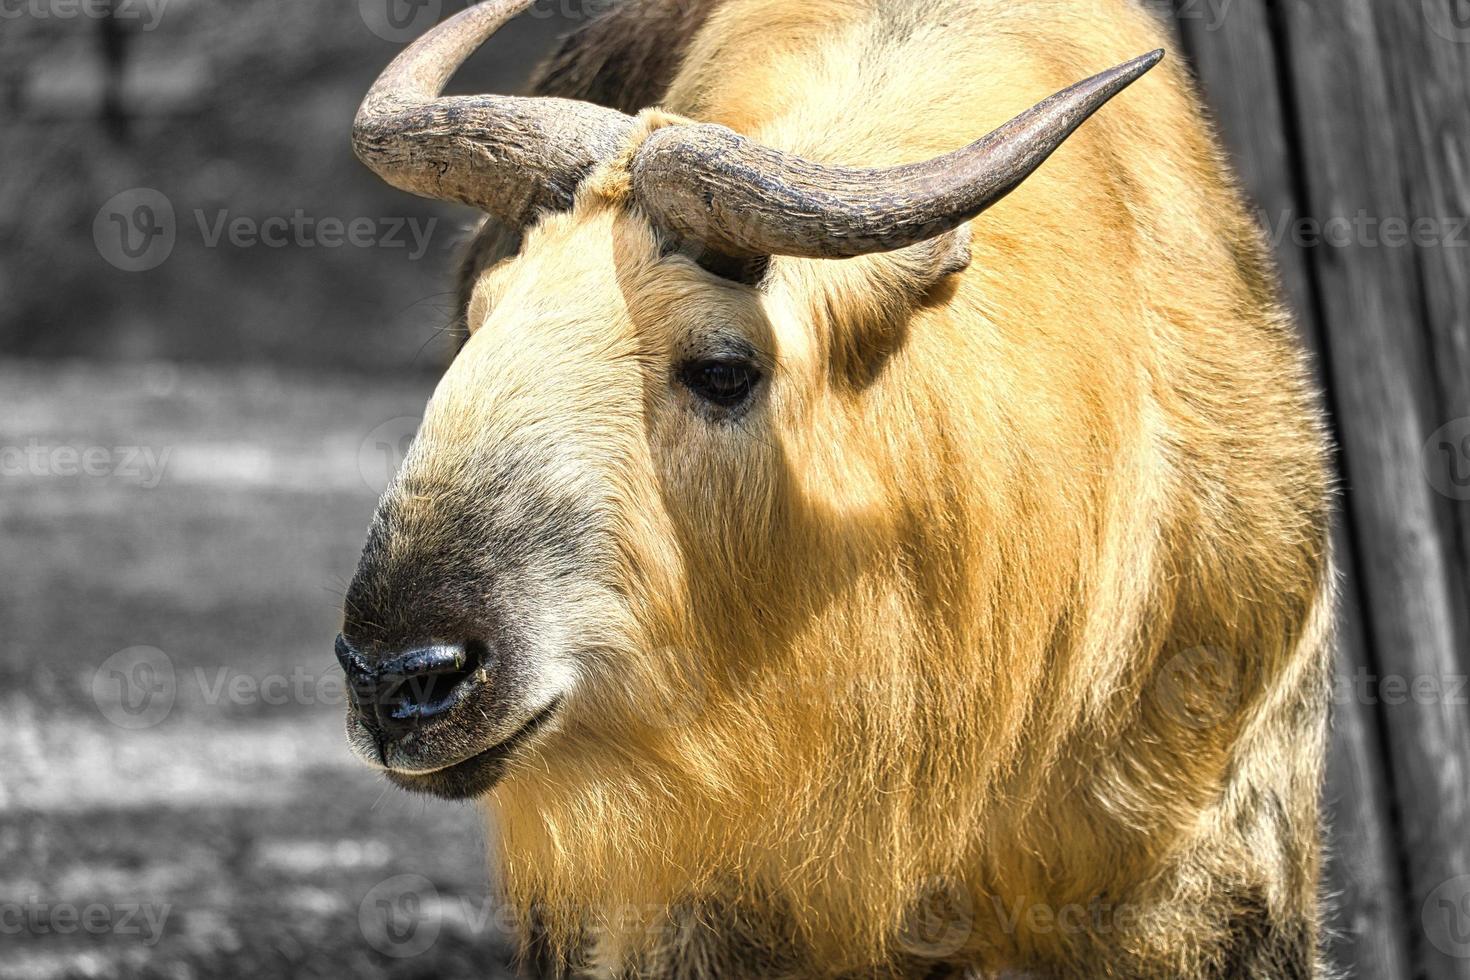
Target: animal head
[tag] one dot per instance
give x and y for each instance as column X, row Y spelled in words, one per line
column 660, row 499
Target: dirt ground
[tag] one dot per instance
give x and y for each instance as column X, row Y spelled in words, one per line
column 176, row 797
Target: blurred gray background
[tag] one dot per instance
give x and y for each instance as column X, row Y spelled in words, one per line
column 230, row 110
column 207, row 372
column 217, row 331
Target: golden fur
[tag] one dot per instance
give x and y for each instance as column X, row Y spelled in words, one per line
column 1014, row 586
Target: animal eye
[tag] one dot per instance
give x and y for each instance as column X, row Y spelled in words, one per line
column 724, row 382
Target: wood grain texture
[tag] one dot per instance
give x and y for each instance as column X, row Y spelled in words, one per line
column 1236, row 60
column 1367, row 921
column 1426, row 54
column 1382, row 386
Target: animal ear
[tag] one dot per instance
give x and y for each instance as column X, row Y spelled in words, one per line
column 864, row 304
column 626, row 56
column 749, row 271
column 490, row 242
column 930, row 261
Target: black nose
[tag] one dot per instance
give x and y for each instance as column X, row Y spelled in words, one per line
column 398, row 692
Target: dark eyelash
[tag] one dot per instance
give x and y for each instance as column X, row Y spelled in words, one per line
column 724, row 381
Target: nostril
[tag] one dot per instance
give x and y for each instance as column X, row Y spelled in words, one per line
column 425, row 682
column 362, row 677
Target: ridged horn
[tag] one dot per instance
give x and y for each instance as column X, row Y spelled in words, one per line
column 708, row 184
column 705, row 183
column 503, row 154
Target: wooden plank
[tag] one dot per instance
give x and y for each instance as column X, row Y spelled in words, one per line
column 1382, row 387
column 1236, row 63
column 1368, row 932
column 1430, row 93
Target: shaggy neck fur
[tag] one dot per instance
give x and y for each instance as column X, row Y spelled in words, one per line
column 1032, row 601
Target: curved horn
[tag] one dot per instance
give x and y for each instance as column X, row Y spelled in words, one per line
column 708, row 184
column 502, row 154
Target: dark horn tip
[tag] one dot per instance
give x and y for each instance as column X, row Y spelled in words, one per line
column 1131, row 71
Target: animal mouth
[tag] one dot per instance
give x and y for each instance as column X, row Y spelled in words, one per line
column 479, row 773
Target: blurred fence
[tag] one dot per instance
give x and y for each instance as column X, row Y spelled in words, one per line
column 1349, row 122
